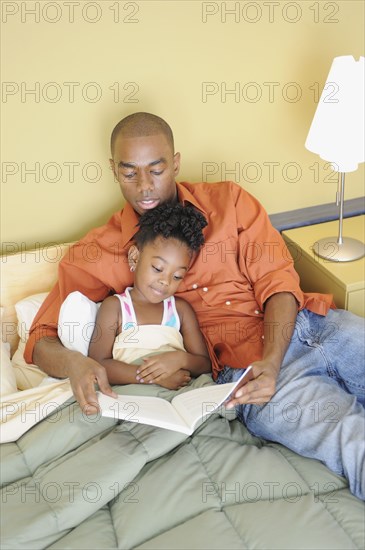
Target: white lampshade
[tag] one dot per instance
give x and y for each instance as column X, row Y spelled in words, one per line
column 337, row 136
column 337, row 130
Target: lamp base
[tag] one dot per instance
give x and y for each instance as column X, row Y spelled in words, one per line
column 331, row 250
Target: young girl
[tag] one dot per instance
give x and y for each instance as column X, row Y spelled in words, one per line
column 146, row 335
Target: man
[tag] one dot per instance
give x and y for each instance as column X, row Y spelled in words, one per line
column 246, row 295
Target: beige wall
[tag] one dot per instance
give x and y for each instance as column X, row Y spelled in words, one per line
column 91, row 63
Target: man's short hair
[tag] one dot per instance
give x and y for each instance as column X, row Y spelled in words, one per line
column 139, row 125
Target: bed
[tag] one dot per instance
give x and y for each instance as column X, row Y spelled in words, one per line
column 72, row 481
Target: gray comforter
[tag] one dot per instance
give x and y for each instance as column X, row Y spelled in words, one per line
column 77, row 482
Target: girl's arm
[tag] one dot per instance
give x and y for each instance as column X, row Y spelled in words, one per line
column 195, row 359
column 108, row 322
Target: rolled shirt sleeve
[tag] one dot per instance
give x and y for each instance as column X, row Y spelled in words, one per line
column 264, row 258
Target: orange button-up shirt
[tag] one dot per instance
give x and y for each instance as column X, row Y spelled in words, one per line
column 243, row 262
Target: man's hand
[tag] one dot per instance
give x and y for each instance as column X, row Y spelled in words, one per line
column 57, row 361
column 84, row 375
column 160, row 366
column 279, row 320
column 259, row 390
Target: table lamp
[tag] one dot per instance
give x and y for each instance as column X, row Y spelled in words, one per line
column 337, row 135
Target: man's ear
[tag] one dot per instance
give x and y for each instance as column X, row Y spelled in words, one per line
column 177, row 160
column 112, row 167
column 133, row 256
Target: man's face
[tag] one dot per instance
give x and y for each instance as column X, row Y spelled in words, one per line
column 145, row 168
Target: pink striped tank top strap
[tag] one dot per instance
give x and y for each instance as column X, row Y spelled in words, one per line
column 126, row 304
column 170, row 315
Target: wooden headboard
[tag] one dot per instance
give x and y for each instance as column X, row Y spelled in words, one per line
column 22, row 275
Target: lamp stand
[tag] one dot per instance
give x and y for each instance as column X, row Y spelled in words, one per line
column 339, row 249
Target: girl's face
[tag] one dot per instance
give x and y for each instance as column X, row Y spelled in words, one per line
column 160, row 267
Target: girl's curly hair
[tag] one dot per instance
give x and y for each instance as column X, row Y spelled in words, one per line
column 184, row 223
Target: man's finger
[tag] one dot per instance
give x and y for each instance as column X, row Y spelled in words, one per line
column 248, row 389
column 79, row 395
column 105, row 386
column 91, row 408
column 86, row 396
column 254, row 398
column 91, row 405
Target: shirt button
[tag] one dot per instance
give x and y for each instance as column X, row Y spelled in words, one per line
column 205, row 289
column 257, row 311
column 228, row 303
column 195, row 285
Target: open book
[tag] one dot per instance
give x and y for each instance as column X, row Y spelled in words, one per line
column 183, row 414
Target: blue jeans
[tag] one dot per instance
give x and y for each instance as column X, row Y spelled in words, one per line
column 318, row 408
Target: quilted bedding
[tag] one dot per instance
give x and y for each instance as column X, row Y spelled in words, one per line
column 79, row 482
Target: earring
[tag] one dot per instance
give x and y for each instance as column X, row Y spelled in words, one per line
column 132, row 268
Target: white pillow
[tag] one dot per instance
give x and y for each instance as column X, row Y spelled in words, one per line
column 26, row 310
column 7, row 374
column 27, row 376
column 76, row 322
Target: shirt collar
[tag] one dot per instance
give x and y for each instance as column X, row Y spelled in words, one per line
column 130, row 218
column 129, row 221
column 185, row 196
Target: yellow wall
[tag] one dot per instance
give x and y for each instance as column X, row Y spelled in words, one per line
column 91, row 63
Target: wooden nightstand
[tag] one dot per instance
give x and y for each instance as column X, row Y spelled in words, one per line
column 345, row 280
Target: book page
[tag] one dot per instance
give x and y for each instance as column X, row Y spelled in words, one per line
column 154, row 411
column 197, row 404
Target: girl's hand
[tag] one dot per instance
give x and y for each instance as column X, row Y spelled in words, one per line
column 157, row 368
column 178, row 380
